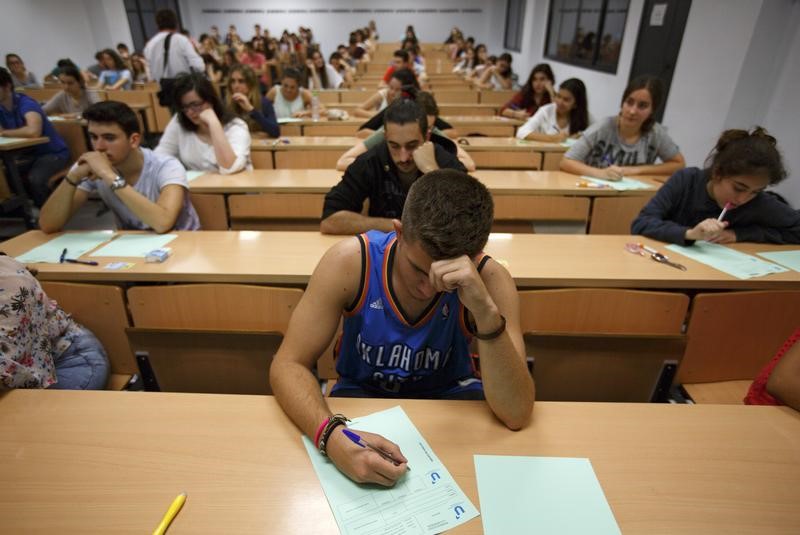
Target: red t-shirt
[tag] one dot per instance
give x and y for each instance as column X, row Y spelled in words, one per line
column 388, row 74
column 758, row 395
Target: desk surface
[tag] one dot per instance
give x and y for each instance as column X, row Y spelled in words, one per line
column 111, row 462
column 534, row 260
column 21, row 143
column 321, row 180
column 475, row 144
column 467, row 120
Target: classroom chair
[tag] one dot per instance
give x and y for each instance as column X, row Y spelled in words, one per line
column 101, row 309
column 731, row 336
column 594, row 344
column 208, row 338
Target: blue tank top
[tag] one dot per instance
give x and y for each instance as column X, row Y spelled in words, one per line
column 387, row 354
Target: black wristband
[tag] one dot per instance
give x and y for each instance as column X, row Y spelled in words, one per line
column 490, row 336
column 71, row 183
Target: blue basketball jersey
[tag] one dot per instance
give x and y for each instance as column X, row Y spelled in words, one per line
column 383, row 352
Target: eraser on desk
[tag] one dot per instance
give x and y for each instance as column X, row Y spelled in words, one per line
column 158, row 255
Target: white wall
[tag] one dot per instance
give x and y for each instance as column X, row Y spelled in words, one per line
column 783, row 114
column 331, row 29
column 43, row 31
column 604, row 89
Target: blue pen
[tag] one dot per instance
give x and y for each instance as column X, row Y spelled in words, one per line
column 355, row 438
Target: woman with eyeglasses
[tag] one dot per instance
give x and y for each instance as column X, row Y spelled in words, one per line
column 204, row 135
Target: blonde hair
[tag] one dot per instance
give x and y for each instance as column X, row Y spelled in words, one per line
column 253, row 94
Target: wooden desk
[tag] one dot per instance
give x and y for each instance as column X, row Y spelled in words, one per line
column 111, row 462
column 512, row 153
column 466, row 125
column 306, row 152
column 309, row 186
column 19, row 200
column 534, row 260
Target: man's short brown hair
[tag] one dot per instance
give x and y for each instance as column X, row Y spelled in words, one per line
column 449, row 213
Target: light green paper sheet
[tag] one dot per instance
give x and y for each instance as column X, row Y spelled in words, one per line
column 191, row 175
column 426, row 500
column 789, row 259
column 522, row 495
column 570, row 141
column 135, row 245
column 7, row 140
column 76, row 244
column 730, row 261
column 284, row 120
column 619, row 185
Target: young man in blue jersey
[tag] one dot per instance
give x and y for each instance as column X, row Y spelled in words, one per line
column 412, row 301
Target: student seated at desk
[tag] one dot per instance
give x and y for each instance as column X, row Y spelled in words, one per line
column 629, row 143
column 499, row 76
column 42, row 347
column 21, row 76
column 385, row 173
column 204, row 135
column 408, row 89
column 412, row 301
column 778, row 383
column 738, row 170
column 145, row 190
column 73, row 99
column 321, row 75
column 290, row 99
column 537, row 92
column 567, row 117
column 115, row 74
column 21, row 116
column 245, row 100
column 426, row 101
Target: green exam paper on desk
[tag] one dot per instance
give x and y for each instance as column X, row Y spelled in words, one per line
column 730, row 261
column 426, row 500
column 76, row 244
column 521, row 495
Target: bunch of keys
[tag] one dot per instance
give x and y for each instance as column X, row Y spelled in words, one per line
column 644, row 250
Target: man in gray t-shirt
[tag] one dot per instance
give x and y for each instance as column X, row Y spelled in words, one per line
column 144, row 190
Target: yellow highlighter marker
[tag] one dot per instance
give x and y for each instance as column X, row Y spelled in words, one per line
column 171, row 513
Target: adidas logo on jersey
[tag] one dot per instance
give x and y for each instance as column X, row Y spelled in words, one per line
column 377, row 304
column 445, row 311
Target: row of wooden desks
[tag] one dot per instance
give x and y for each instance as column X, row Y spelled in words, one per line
column 289, row 258
column 111, row 462
column 487, row 125
column 323, row 151
column 260, row 198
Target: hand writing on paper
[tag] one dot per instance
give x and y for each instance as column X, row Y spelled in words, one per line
column 709, row 229
column 363, row 465
column 612, row 172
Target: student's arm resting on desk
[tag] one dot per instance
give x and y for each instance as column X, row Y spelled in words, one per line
column 366, row 109
column 266, row 119
column 487, row 295
column 656, row 218
column 676, row 163
column 784, row 381
column 341, row 213
column 333, row 287
column 32, row 128
column 574, row 158
column 350, row 156
column 65, row 200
